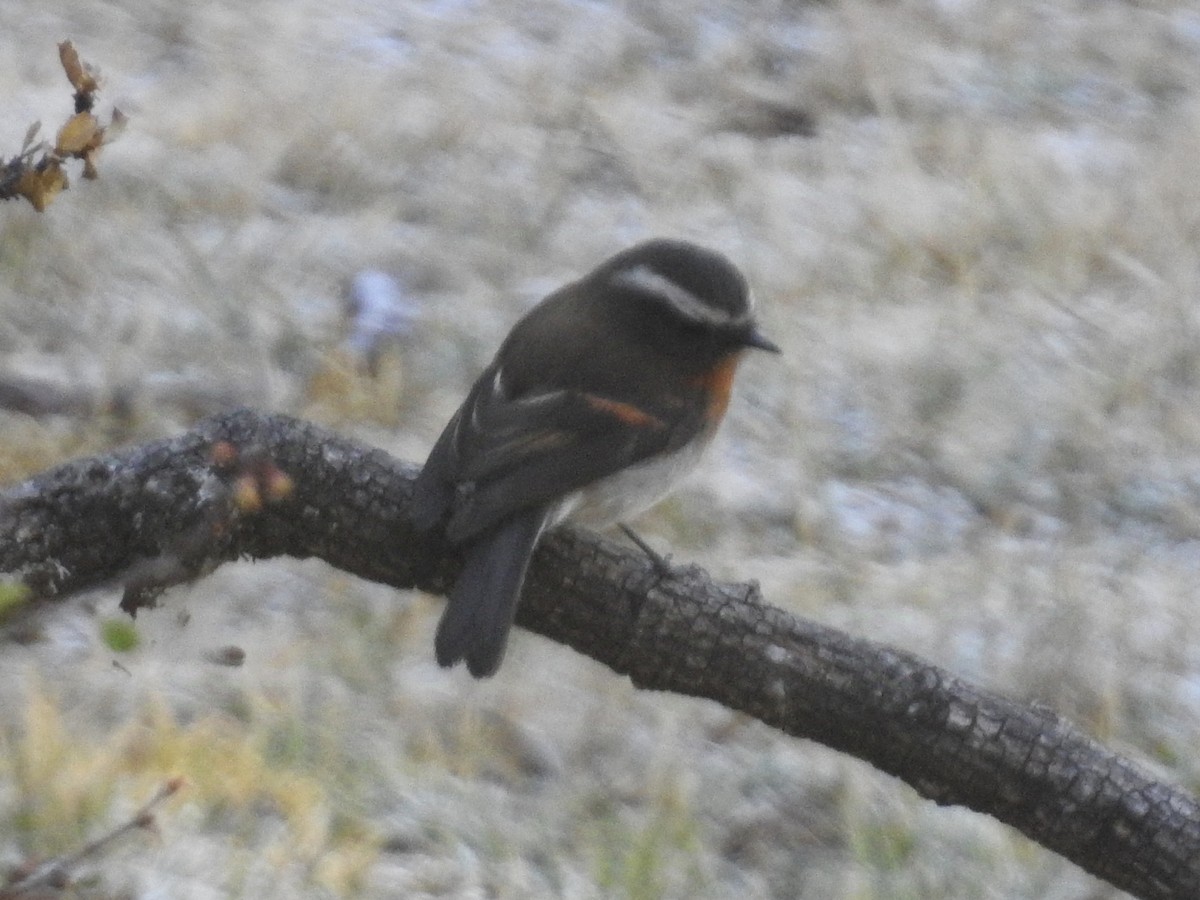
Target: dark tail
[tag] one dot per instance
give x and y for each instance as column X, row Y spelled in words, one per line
column 482, row 604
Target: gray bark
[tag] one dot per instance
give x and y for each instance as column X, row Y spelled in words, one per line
column 169, row 511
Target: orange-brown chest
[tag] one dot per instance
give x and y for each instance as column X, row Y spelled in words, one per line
column 717, row 384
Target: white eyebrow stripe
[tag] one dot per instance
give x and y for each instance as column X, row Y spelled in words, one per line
column 686, row 303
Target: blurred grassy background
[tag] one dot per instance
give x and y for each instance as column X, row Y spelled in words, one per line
column 981, row 444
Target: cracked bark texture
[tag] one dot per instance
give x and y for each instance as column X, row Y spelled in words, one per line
column 167, row 512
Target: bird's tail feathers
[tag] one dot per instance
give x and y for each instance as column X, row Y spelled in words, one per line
column 481, row 607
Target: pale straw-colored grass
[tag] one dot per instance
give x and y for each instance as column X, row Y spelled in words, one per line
column 981, row 443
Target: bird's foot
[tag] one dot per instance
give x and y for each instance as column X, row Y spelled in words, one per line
column 662, row 564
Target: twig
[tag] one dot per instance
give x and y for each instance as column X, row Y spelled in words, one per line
column 55, row 873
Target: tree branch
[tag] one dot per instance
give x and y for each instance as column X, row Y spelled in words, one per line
column 250, row 485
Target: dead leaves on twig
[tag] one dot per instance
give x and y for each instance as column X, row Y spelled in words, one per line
column 37, row 173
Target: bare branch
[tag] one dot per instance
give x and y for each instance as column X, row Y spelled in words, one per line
column 246, row 484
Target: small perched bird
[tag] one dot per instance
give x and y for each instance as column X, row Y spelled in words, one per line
column 601, row 397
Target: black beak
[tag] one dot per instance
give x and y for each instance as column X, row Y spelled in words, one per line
column 758, row 340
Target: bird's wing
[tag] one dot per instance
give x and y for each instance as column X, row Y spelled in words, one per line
column 500, row 454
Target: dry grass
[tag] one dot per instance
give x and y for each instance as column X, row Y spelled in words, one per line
column 980, row 444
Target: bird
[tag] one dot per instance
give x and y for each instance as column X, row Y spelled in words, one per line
column 599, row 400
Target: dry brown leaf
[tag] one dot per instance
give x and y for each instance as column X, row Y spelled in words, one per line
column 81, row 133
column 81, row 79
column 69, row 58
column 31, row 134
column 42, row 184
